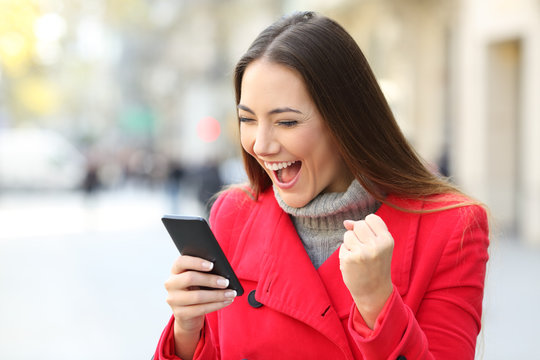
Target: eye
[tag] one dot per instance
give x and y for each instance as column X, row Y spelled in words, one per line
column 288, row 123
column 245, row 120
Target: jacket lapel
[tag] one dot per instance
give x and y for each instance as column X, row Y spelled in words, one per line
column 290, row 284
column 335, row 287
column 404, row 228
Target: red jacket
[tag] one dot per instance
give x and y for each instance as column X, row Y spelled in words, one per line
column 438, row 270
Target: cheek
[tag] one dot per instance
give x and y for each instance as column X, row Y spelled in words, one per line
column 317, row 147
column 302, row 144
column 326, row 157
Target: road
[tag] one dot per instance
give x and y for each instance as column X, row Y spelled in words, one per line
column 83, row 279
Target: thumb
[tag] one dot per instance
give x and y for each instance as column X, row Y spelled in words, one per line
column 349, row 224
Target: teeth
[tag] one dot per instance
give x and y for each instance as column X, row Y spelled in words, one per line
column 278, row 166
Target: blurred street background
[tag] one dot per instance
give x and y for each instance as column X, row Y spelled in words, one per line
column 115, row 112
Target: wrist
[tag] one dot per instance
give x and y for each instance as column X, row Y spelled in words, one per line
column 370, row 305
column 185, row 341
column 186, row 332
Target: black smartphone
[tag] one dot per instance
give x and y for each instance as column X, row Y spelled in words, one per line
column 192, row 236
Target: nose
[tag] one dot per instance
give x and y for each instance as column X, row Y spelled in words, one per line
column 265, row 142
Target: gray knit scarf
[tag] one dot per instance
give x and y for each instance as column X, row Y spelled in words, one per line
column 320, row 223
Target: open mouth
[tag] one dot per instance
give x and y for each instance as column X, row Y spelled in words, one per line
column 285, row 172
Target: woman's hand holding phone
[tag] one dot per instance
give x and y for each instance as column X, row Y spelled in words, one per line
column 190, row 303
column 196, row 286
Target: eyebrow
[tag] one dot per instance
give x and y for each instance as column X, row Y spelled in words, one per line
column 271, row 112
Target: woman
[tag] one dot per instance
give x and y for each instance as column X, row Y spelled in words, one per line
column 347, row 246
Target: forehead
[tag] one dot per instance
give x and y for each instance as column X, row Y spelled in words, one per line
column 266, row 81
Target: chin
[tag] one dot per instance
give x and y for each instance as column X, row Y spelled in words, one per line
column 295, row 201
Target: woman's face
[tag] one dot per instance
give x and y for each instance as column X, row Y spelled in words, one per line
column 281, row 127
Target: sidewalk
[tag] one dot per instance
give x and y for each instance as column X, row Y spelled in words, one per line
column 511, row 311
column 90, row 286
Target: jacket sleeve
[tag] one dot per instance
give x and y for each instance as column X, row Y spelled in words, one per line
column 166, row 349
column 222, row 210
column 447, row 321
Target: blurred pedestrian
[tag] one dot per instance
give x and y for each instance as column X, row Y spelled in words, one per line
column 209, row 183
column 91, row 179
column 175, row 175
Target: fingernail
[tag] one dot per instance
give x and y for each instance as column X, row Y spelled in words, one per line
column 230, row 294
column 207, row 265
column 223, row 282
column 227, row 302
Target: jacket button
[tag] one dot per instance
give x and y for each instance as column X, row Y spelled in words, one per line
column 401, row 357
column 252, row 301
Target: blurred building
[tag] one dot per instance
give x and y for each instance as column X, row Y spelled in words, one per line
column 496, row 109
column 135, row 79
column 463, row 79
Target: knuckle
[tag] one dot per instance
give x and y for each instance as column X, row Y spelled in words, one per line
column 361, row 256
column 371, row 217
column 372, row 255
column 189, row 277
column 168, row 284
column 349, row 237
column 177, row 265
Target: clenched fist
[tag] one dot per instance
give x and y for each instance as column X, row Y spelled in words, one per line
column 365, row 258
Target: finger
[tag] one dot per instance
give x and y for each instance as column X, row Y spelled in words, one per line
column 376, row 224
column 189, row 279
column 363, row 231
column 198, row 297
column 349, row 224
column 193, row 311
column 343, row 251
column 208, row 296
column 184, row 262
column 351, row 241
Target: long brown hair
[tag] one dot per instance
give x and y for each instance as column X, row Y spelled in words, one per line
column 346, row 93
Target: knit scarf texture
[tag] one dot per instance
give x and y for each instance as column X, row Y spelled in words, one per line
column 319, row 224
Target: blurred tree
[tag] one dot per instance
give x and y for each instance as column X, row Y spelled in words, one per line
column 37, row 95
column 17, row 38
